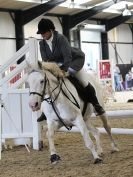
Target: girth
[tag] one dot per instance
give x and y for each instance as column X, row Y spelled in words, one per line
column 81, row 92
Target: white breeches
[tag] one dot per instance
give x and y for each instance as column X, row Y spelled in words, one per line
column 86, row 78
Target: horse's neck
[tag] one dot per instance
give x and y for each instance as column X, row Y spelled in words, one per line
column 55, row 82
column 52, row 82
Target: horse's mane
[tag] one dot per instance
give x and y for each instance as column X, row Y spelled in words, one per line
column 53, row 68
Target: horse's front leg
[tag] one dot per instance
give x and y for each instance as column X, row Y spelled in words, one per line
column 52, row 127
column 79, row 122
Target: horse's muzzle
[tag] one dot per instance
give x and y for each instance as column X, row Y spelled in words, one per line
column 34, row 106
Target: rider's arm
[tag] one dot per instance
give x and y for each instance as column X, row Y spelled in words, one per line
column 66, row 52
column 42, row 51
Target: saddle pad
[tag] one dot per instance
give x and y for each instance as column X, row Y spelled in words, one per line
column 79, row 87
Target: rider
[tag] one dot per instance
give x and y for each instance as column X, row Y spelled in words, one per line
column 54, row 47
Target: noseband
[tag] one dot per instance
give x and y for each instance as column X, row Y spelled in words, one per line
column 36, row 93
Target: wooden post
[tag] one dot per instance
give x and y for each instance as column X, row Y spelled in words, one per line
column 33, row 51
column 36, row 130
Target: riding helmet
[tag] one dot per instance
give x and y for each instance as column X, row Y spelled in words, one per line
column 45, row 25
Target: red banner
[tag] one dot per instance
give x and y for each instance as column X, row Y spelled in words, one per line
column 105, row 69
column 17, row 77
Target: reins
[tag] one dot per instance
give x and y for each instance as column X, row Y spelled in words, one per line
column 59, row 117
column 75, row 103
column 47, row 99
column 52, row 102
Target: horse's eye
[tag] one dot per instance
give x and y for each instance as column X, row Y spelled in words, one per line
column 42, row 81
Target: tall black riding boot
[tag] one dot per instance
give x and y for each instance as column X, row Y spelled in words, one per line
column 42, row 117
column 91, row 94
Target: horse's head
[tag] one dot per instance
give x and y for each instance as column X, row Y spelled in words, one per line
column 36, row 81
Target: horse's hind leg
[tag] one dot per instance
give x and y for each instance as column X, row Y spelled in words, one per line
column 88, row 142
column 95, row 132
column 104, row 119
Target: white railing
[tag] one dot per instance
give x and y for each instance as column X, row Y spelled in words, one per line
column 13, row 100
column 30, row 48
column 119, row 114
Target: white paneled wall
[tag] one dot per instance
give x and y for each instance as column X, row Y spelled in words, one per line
column 7, row 49
column 90, row 44
column 124, row 51
column 7, row 28
column 90, row 36
column 123, row 37
column 120, row 34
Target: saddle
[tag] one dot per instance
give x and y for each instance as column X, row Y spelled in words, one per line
column 88, row 95
column 79, row 87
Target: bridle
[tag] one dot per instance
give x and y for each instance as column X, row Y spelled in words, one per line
column 44, row 90
column 50, row 99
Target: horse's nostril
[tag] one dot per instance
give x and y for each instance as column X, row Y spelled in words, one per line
column 36, row 104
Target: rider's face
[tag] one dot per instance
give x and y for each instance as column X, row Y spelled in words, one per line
column 47, row 35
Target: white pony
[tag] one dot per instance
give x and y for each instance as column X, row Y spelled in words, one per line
column 56, row 96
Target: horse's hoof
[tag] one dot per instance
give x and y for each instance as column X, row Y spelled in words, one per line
column 98, row 160
column 101, row 154
column 114, row 150
column 55, row 158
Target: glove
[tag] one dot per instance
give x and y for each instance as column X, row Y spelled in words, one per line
column 62, row 67
column 64, row 71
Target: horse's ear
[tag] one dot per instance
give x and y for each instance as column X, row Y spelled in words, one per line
column 40, row 64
